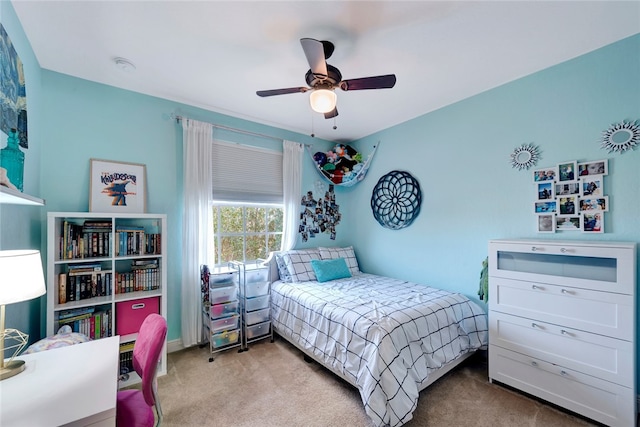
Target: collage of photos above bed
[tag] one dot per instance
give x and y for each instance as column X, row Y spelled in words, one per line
column 570, row 197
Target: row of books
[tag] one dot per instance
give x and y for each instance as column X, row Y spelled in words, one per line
column 126, row 357
column 135, row 241
column 145, row 277
column 88, row 321
column 80, row 285
column 89, row 239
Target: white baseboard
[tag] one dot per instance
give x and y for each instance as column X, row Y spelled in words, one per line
column 175, row 345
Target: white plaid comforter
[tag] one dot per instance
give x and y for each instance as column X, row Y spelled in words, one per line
column 386, row 335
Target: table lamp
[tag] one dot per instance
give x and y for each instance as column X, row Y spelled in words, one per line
column 21, row 279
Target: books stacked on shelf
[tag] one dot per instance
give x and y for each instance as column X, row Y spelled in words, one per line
column 90, row 321
column 132, row 240
column 144, row 276
column 86, row 240
column 126, row 357
column 83, row 281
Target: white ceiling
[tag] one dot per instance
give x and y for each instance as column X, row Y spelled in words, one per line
column 216, row 54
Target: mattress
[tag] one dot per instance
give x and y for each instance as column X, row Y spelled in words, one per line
column 383, row 335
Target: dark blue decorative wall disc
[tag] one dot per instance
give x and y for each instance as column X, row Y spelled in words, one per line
column 396, row 199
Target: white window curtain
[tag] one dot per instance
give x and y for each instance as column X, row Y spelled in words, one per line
column 291, row 189
column 197, row 232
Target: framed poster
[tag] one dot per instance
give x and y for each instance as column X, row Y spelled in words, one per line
column 117, row 187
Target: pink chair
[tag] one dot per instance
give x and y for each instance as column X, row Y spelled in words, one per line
column 135, row 407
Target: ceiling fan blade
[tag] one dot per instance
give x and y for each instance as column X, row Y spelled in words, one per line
column 273, row 92
column 331, row 114
column 377, row 82
column 314, row 51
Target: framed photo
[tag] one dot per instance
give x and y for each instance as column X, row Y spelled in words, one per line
column 546, row 223
column 546, row 207
column 567, row 171
column 593, row 222
column 567, row 188
column 545, row 190
column 568, row 223
column 568, row 205
column 592, row 204
column 591, row 186
column 117, row 187
column 546, row 174
column 598, row 167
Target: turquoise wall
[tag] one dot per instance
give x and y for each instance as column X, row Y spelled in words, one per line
column 89, row 120
column 20, row 225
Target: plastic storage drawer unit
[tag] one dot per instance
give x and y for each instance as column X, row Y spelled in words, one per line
column 225, row 338
column 258, row 330
column 220, row 294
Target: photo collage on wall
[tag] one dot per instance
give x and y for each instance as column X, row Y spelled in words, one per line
column 319, row 216
column 570, row 197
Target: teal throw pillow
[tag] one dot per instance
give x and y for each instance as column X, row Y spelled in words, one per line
column 330, row 269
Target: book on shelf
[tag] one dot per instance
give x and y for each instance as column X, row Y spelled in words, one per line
column 89, row 239
column 82, row 285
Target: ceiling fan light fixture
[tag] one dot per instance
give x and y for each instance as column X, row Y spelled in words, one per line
column 323, row 100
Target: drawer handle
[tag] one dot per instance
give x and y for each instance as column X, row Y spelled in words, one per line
column 533, row 249
column 137, row 306
column 535, row 325
column 566, row 291
column 564, row 373
column 534, row 363
column 565, row 332
column 537, row 287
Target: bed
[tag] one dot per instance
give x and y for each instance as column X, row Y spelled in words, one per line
column 387, row 337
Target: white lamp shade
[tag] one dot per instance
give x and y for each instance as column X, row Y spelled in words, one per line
column 21, row 276
column 323, row 100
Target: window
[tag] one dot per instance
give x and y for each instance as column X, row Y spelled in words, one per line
column 245, row 232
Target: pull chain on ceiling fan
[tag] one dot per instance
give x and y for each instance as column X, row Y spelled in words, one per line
column 324, row 78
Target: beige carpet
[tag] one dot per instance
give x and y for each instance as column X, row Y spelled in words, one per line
column 271, row 385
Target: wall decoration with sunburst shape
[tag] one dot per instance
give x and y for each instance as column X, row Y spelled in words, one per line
column 525, row 156
column 621, row 137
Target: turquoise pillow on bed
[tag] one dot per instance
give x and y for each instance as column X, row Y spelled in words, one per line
column 330, row 269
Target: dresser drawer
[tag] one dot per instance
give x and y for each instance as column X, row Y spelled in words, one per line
column 597, row 312
column 596, row 355
column 603, row 401
column 608, row 267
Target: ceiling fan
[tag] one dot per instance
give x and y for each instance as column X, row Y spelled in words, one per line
column 323, row 79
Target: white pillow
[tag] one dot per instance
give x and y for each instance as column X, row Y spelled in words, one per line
column 298, row 264
column 347, row 253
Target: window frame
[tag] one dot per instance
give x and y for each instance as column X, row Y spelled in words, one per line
column 219, row 235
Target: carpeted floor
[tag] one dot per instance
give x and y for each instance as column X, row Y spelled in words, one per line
column 272, row 385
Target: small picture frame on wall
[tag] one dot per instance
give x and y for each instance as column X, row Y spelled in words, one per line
column 567, row 188
column 567, row 171
column 545, row 207
column 593, row 204
column 597, row 167
column 568, row 223
column 593, row 222
column 591, row 186
column 545, row 190
column 546, row 223
column 568, row 205
column 117, row 187
column 545, row 174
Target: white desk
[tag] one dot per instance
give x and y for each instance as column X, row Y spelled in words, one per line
column 75, row 385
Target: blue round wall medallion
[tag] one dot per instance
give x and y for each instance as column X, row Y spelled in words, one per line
column 396, row 200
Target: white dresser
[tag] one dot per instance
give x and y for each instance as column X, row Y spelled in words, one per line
column 562, row 319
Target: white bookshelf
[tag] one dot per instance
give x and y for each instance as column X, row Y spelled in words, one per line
column 116, row 307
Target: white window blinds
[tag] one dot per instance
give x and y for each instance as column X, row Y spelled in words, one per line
column 246, row 174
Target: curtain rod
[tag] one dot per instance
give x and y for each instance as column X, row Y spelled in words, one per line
column 261, row 135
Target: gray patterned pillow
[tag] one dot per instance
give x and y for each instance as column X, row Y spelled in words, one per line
column 347, row 253
column 298, row 264
column 282, row 269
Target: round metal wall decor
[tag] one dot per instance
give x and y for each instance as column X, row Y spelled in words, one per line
column 525, row 156
column 621, row 137
column 396, row 200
